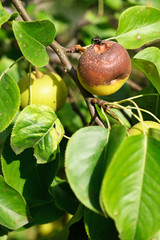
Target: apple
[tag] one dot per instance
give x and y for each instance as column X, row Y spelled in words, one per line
column 49, row 89
column 138, row 129
column 104, row 67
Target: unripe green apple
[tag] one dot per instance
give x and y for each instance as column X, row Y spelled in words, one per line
column 49, row 89
column 138, row 128
column 104, row 67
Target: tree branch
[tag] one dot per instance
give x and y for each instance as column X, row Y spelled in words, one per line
column 66, row 63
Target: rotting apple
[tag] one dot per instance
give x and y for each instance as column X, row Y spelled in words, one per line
column 104, row 67
column 138, row 128
column 49, row 89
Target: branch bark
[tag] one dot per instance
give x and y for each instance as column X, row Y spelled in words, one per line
column 67, row 66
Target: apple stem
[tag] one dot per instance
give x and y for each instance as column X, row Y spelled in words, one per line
column 37, row 72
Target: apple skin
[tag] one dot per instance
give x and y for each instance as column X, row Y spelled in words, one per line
column 104, row 68
column 49, row 89
column 138, row 129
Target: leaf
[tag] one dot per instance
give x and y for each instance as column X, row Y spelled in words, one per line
column 131, row 188
column 157, row 236
column 12, row 207
column 85, row 164
column 116, row 137
column 32, row 38
column 147, row 61
column 64, row 197
column 9, row 100
column 37, row 126
column 154, row 133
column 4, row 16
column 32, row 181
column 23, row 174
column 45, row 213
column 149, row 101
column 105, row 227
column 138, row 25
column 63, row 235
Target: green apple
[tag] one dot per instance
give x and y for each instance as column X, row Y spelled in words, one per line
column 138, row 128
column 49, row 89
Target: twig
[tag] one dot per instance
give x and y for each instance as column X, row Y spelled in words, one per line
column 67, row 65
column 134, row 85
column 76, row 109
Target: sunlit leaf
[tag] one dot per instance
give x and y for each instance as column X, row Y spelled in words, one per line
column 147, row 61
column 9, row 100
column 138, row 25
column 37, row 126
column 32, row 38
column 4, row 16
column 85, row 164
column 131, row 188
column 12, row 207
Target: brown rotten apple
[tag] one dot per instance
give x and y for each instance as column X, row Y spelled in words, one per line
column 104, row 67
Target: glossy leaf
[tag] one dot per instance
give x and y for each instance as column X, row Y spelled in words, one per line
column 85, row 164
column 32, row 38
column 98, row 227
column 37, row 126
column 147, row 61
column 12, row 207
column 138, row 25
column 131, row 188
column 64, row 197
column 4, row 16
column 9, row 100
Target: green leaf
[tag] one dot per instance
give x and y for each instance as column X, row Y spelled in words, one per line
column 131, row 188
column 154, row 133
column 64, row 197
column 105, row 227
column 32, row 181
column 4, row 16
column 23, row 174
column 45, row 213
column 157, row 236
column 115, row 5
column 153, row 3
column 9, row 100
column 147, row 61
column 138, row 25
column 149, row 101
column 12, row 207
column 63, row 235
column 32, row 38
column 14, row 72
column 116, row 137
column 85, row 164
column 37, row 126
